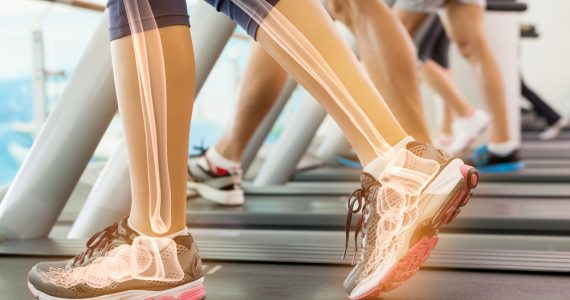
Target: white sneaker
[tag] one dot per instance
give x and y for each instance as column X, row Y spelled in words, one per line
column 218, row 185
column 553, row 131
column 466, row 130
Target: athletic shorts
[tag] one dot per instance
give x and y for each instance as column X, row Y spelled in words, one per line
column 434, row 44
column 430, row 6
column 174, row 12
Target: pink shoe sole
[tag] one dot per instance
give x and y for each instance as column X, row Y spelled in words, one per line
column 196, row 293
column 419, row 253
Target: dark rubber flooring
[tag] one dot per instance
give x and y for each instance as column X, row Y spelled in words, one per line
column 237, row 281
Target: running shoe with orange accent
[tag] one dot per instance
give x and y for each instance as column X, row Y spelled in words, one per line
column 96, row 273
column 420, row 189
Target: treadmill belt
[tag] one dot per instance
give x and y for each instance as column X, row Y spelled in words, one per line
column 246, row 281
column 529, row 174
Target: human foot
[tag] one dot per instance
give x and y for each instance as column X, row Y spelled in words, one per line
column 420, row 189
column 217, row 184
column 121, row 264
column 466, row 130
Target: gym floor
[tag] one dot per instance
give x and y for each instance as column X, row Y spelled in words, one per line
column 241, row 281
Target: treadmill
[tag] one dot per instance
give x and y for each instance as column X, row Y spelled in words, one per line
column 287, row 241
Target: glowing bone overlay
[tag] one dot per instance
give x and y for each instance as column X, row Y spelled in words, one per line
column 145, row 259
column 403, row 182
column 150, row 258
column 292, row 41
column 149, row 59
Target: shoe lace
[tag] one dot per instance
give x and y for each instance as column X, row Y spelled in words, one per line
column 357, row 202
column 202, row 149
column 97, row 242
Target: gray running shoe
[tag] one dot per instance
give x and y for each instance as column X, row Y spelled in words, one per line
column 50, row 280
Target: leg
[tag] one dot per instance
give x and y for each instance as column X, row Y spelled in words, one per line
column 389, row 56
column 466, row 29
column 154, row 75
column 447, row 120
column 441, row 81
column 338, row 56
column 179, row 71
column 263, row 80
column 216, row 174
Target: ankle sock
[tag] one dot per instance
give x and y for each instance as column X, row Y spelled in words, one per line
column 378, row 165
column 220, row 163
column 502, row 149
column 182, row 232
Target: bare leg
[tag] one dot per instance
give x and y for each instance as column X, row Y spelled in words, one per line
column 314, row 23
column 441, row 81
column 263, row 81
column 179, row 71
column 447, row 120
column 465, row 24
column 389, row 56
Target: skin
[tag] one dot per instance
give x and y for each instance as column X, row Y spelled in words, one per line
column 256, row 97
column 314, row 23
column 440, row 80
column 389, row 56
column 179, row 71
column 464, row 26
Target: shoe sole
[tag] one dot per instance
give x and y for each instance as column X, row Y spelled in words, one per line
column 410, row 263
column 228, row 198
column 194, row 290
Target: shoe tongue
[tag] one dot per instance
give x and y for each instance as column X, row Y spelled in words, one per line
column 367, row 180
column 125, row 231
column 428, row 151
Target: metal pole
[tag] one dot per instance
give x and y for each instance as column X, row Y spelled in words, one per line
column 114, row 181
column 64, row 146
column 263, row 131
column 281, row 164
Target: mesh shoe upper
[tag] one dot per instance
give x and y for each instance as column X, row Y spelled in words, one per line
column 370, row 218
column 41, row 277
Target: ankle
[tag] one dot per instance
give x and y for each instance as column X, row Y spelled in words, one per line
column 145, row 230
column 502, row 148
column 219, row 160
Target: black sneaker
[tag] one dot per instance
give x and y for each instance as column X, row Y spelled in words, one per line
column 487, row 162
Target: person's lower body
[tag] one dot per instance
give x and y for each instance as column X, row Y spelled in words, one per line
column 464, row 25
column 216, row 174
column 144, row 251
column 554, row 121
column 466, row 122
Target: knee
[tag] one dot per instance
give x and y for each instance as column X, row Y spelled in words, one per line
column 341, row 11
column 470, row 48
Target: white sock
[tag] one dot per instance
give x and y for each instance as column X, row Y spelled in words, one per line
column 220, row 161
column 502, row 149
column 378, row 165
column 182, row 232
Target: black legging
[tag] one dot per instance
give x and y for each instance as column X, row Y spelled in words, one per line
column 541, row 108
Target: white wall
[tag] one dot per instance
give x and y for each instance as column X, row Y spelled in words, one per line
column 546, row 61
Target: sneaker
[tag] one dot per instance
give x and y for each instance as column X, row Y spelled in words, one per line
column 466, row 130
column 215, row 184
column 553, row 131
column 119, row 264
column 488, row 162
column 399, row 222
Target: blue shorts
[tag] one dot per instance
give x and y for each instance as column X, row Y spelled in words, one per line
column 174, row 12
